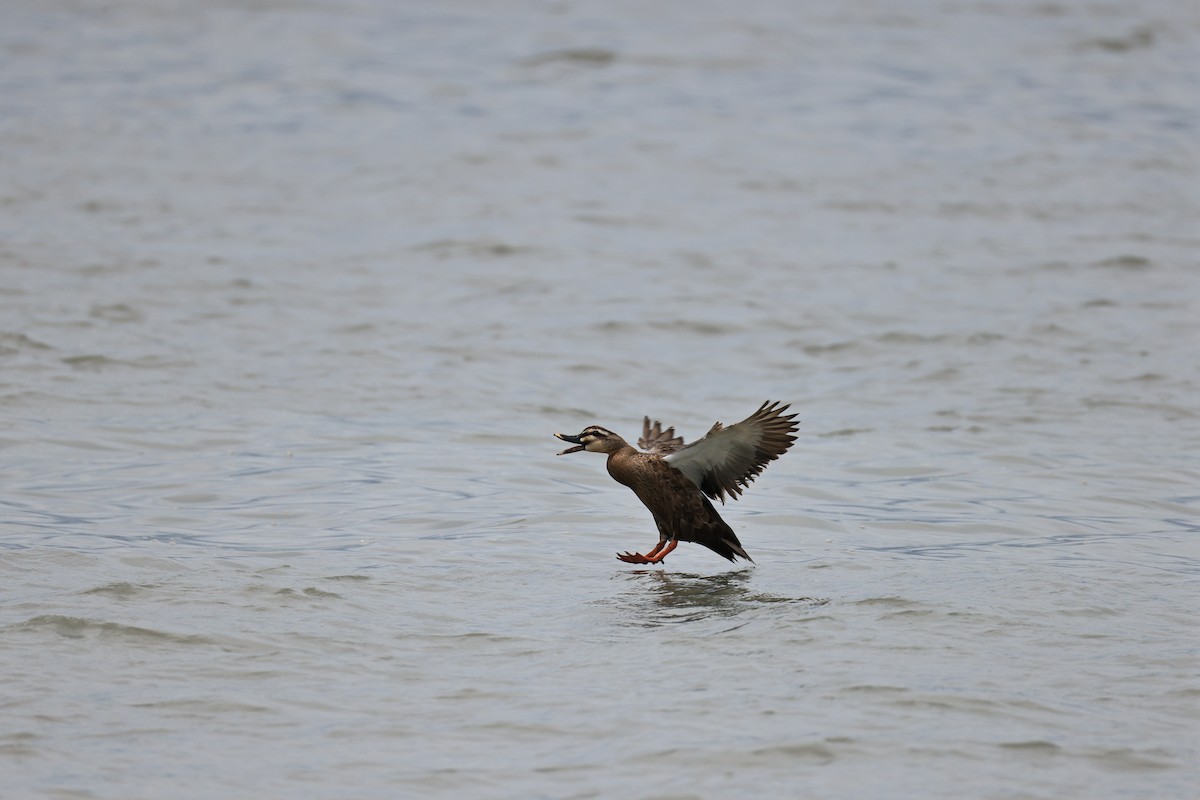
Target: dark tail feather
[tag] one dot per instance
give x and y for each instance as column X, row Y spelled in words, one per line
column 719, row 537
column 728, row 548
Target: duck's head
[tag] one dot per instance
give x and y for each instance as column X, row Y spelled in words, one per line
column 592, row 438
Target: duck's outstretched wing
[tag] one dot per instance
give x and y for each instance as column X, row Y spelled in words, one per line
column 726, row 460
column 655, row 440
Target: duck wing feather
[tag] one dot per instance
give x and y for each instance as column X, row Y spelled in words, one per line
column 726, row 460
column 655, row 440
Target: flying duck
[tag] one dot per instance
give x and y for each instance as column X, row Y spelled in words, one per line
column 675, row 481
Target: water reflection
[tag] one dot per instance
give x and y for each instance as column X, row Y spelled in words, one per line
column 658, row 597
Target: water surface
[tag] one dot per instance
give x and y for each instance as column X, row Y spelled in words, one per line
column 293, row 296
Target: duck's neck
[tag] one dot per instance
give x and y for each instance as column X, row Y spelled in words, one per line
column 621, row 464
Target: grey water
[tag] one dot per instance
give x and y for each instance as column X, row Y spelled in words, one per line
column 293, row 296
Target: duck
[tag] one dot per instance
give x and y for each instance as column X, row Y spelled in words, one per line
column 677, row 482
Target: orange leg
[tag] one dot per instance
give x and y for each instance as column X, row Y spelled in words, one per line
column 638, row 558
column 655, row 556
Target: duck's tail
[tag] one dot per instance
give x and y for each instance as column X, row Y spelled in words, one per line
column 717, row 536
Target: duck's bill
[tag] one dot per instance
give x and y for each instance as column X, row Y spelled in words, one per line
column 573, row 440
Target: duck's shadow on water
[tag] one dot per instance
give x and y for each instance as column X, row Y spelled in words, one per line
column 658, row 597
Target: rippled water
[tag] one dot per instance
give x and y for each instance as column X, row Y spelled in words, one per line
column 293, row 296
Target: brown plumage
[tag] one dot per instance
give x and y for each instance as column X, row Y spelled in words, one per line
column 672, row 479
